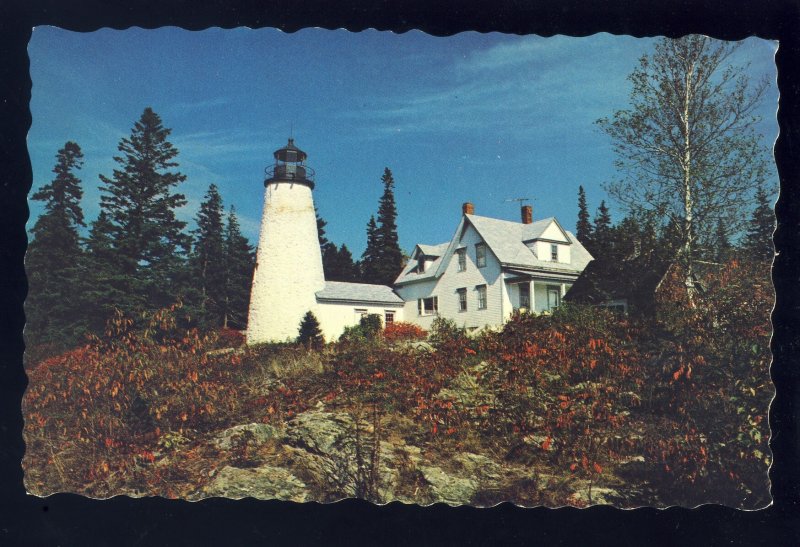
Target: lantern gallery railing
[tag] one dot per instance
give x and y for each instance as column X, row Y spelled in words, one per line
column 289, row 172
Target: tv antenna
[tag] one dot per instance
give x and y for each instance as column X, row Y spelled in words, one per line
column 520, row 200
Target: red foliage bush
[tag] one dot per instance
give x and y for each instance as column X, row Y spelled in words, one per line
column 230, row 338
column 400, row 331
column 114, row 396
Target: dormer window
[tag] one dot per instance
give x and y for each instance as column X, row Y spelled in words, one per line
column 554, row 252
column 480, row 255
column 421, row 264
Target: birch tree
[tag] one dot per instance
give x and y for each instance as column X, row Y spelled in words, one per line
column 687, row 148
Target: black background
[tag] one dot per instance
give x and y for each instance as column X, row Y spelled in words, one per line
column 73, row 520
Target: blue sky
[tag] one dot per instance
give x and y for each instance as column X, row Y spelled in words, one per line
column 474, row 117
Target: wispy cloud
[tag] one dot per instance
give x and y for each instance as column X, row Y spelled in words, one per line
column 509, row 87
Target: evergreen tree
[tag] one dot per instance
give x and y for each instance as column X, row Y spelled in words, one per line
column 140, row 205
column 720, row 248
column 758, row 240
column 310, row 332
column 389, row 259
column 53, row 310
column 207, row 263
column 324, row 244
column 239, row 264
column 583, row 228
column 104, row 284
column 369, row 258
column 339, row 265
column 601, row 238
column 391, row 256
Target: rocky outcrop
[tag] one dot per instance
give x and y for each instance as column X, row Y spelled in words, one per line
column 265, row 482
column 448, row 488
column 257, row 434
column 338, row 455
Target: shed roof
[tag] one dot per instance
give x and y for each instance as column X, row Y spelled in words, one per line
column 342, row 291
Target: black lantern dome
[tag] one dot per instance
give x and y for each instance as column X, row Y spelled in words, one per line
column 290, row 167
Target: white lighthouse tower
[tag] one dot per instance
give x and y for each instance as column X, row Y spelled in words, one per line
column 288, row 269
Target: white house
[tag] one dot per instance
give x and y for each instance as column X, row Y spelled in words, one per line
column 490, row 268
column 487, row 270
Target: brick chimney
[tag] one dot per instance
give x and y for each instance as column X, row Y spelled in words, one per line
column 468, row 208
column 527, row 214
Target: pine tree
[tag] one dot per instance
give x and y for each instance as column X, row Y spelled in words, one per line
column 239, row 264
column 53, row 309
column 369, row 258
column 207, row 263
column 310, row 333
column 140, row 205
column 720, row 247
column 391, row 256
column 389, row 259
column 104, row 284
column 324, row 243
column 583, row 228
column 758, row 240
column 601, row 238
column 339, row 265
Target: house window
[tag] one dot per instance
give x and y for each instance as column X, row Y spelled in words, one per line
column 481, row 296
column 462, row 259
column 428, row 306
column 524, row 295
column 361, row 312
column 421, row 264
column 554, row 252
column 462, row 299
column 553, row 297
column 480, row 255
column 388, row 317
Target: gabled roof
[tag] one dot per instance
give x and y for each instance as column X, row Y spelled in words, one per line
column 506, row 240
column 409, row 273
column 433, row 250
column 341, row 291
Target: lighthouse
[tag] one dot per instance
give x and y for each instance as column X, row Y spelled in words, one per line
column 288, row 269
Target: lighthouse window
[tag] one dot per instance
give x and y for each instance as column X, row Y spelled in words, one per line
column 428, row 306
column 480, row 255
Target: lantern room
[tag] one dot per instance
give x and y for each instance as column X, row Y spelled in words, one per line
column 289, row 167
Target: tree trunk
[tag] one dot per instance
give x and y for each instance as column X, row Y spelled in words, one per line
column 688, row 229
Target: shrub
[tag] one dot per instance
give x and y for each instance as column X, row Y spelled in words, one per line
column 368, row 328
column 399, row 331
column 310, row 332
column 229, row 338
column 109, row 401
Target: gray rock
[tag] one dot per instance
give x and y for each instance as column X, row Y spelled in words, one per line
column 320, row 432
column 323, row 445
column 448, row 488
column 481, row 468
column 264, row 482
column 261, row 434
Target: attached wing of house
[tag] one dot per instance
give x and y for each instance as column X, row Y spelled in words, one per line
column 341, row 304
column 490, row 268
